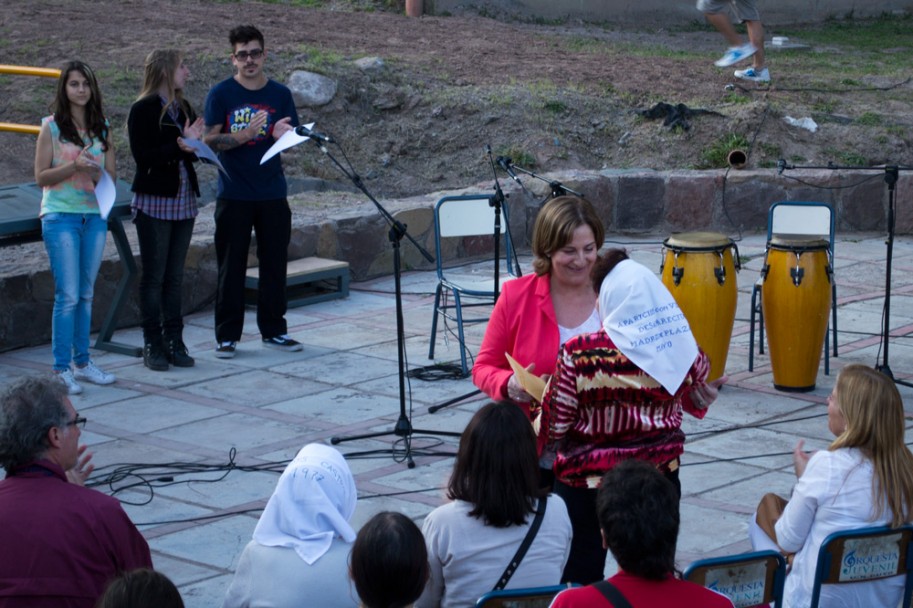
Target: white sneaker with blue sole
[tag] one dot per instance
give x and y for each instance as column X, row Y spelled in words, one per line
column 753, row 75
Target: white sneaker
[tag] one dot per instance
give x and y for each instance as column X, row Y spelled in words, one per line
column 67, row 378
column 91, row 373
column 736, row 54
column 762, row 75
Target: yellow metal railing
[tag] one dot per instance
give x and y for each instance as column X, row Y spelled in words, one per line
column 21, row 70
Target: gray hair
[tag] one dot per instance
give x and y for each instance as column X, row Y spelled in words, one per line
column 28, row 409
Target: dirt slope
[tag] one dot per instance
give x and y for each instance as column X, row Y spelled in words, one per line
column 549, row 96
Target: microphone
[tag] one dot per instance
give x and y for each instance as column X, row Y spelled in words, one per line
column 781, row 164
column 303, row 131
column 506, row 163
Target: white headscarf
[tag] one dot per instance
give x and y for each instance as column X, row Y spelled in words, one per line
column 646, row 324
column 312, row 504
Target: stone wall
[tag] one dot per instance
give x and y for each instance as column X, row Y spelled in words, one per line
column 346, row 227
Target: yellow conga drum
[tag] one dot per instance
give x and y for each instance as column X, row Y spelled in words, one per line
column 795, row 301
column 700, row 270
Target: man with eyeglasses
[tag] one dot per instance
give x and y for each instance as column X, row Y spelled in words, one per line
column 244, row 114
column 61, row 542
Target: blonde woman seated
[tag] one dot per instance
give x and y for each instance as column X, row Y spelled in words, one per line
column 864, row 478
column 300, row 550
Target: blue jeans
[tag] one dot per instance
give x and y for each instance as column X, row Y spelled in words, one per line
column 163, row 246
column 75, row 243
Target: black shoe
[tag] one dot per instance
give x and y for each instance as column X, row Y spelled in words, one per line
column 283, row 342
column 154, row 357
column 177, row 353
column 226, row 350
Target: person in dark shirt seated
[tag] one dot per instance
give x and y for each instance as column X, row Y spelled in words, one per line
column 61, row 542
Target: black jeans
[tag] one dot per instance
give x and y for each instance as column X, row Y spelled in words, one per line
column 163, row 246
column 272, row 223
column 586, row 562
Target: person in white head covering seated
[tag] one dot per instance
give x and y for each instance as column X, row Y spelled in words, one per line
column 300, row 549
column 618, row 394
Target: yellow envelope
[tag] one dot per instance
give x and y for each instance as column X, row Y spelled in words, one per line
column 531, row 383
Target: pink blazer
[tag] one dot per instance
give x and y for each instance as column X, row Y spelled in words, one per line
column 523, row 324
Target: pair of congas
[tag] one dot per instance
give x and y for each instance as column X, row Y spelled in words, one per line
column 699, row 269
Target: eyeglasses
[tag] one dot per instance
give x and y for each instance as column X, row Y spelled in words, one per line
column 245, row 55
column 79, row 421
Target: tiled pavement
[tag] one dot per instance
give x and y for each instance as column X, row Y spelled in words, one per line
column 264, row 405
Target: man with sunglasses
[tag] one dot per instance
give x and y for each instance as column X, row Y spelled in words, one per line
column 244, row 115
column 62, row 542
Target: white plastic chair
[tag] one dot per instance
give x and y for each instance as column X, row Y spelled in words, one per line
column 796, row 218
column 461, row 217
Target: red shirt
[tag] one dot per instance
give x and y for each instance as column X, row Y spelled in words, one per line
column 644, row 593
column 61, row 543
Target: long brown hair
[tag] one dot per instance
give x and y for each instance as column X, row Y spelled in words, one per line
column 496, row 468
column 873, row 410
column 63, row 115
column 159, row 70
column 555, row 226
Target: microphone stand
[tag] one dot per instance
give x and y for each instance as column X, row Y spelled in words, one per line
column 497, row 201
column 891, row 174
column 557, row 188
column 403, row 427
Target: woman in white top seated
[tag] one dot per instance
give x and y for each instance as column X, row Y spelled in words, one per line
column 864, row 478
column 495, row 492
column 300, row 550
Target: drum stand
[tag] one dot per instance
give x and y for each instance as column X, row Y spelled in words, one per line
column 891, row 174
column 403, row 427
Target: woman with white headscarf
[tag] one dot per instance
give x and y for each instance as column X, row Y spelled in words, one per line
column 300, row 550
column 618, row 394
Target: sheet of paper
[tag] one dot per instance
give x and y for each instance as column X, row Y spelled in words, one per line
column 531, row 383
column 289, row 139
column 105, row 193
column 205, row 153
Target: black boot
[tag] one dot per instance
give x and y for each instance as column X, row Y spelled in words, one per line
column 177, row 353
column 154, row 355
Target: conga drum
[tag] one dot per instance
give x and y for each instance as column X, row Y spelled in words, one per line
column 700, row 270
column 795, row 302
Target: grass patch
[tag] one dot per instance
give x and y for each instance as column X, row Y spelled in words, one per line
column 715, row 155
column 863, row 34
column 824, row 105
column 771, row 150
column 580, row 44
column 518, row 155
column 869, row 119
column 555, row 107
column 320, row 60
column 736, row 98
column 850, row 157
